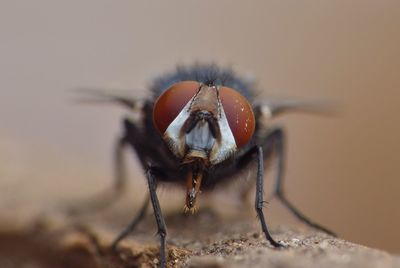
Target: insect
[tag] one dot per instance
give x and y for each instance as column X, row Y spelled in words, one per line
column 200, row 127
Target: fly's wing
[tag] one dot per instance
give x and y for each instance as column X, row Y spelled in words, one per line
column 131, row 99
column 272, row 108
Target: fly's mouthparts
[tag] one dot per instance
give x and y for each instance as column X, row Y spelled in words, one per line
column 193, row 184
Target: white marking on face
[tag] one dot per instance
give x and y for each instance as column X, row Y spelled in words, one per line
column 172, row 134
column 227, row 145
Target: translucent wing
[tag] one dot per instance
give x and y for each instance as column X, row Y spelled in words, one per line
column 131, row 99
column 272, row 108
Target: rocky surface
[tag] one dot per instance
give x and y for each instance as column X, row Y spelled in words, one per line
column 201, row 240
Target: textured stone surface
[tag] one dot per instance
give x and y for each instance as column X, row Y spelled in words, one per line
column 201, row 240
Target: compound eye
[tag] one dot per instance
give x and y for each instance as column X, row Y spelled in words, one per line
column 239, row 114
column 170, row 103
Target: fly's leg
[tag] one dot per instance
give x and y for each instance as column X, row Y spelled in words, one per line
column 275, row 140
column 241, row 163
column 161, row 227
column 259, row 202
column 132, row 225
column 248, row 189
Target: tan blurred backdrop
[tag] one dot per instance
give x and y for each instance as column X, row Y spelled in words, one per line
column 342, row 170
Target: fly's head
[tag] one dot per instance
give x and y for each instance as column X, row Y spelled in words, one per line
column 203, row 125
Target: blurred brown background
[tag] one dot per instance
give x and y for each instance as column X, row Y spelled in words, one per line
column 342, row 171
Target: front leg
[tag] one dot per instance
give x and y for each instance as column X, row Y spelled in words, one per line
column 259, row 202
column 251, row 154
column 162, row 229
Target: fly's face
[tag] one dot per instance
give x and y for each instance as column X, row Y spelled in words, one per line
column 201, row 123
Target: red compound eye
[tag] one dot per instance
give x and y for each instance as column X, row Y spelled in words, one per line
column 171, row 102
column 239, row 114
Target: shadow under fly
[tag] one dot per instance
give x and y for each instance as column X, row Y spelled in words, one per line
column 201, row 126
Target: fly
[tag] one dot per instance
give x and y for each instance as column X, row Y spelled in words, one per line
column 200, row 127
